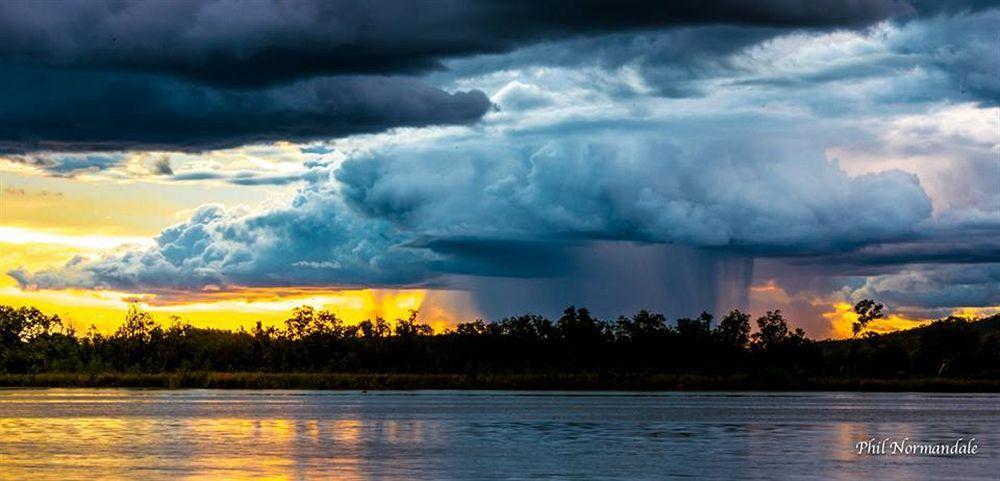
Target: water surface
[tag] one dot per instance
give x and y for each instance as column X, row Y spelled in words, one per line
column 201, row 434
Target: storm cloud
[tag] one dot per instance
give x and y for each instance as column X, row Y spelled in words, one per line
column 618, row 155
column 68, row 165
column 416, row 217
column 53, row 110
column 219, row 248
column 195, row 76
column 224, row 42
column 929, row 287
column 639, row 187
column 941, row 57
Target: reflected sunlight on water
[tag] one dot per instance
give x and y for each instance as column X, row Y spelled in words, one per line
column 196, row 434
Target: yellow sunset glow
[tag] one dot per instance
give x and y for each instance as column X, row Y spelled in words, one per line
column 17, row 235
column 842, row 318
column 235, row 307
column 976, row 312
column 105, row 309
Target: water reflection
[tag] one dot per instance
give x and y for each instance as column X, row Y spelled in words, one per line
column 136, row 434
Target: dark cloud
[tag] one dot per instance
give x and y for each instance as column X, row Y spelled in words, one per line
column 928, row 59
column 964, row 48
column 89, row 111
column 64, row 165
column 674, row 62
column 162, row 166
column 929, row 245
column 946, row 262
column 514, row 258
column 191, row 76
column 313, row 173
column 955, row 56
column 936, row 286
column 618, row 277
column 234, row 43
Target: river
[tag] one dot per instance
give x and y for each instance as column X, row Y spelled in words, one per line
column 65, row 434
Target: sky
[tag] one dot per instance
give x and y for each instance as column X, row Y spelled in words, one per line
column 224, row 162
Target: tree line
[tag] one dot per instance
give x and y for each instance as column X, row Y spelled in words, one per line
column 318, row 341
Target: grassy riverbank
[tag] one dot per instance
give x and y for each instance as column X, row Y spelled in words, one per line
column 360, row 381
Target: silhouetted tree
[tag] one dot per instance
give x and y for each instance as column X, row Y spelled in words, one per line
column 695, row 329
column 374, row 330
column 773, row 334
column 138, row 326
column 409, row 328
column 577, row 326
column 312, row 340
column 472, row 329
column 25, row 324
column 642, row 327
column 867, row 311
column 733, row 331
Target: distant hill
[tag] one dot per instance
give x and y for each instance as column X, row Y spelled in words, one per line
column 941, row 348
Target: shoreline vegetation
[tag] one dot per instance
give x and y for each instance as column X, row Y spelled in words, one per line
column 486, row 382
column 643, row 352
